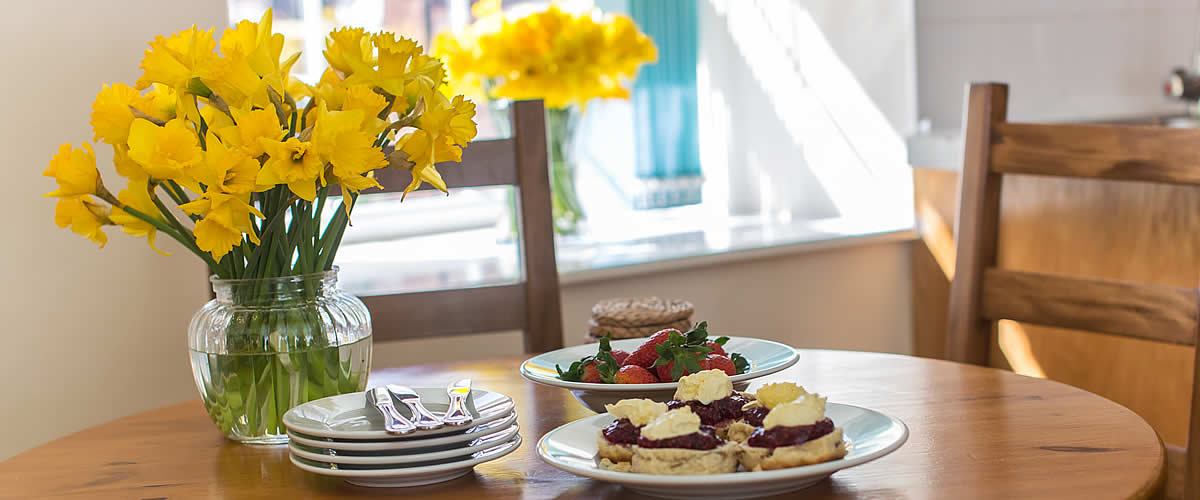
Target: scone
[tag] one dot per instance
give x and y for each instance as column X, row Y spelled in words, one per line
column 677, row 444
column 793, row 434
column 709, row 394
column 823, row 449
column 760, row 403
column 617, row 440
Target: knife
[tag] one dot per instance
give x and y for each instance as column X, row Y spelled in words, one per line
column 422, row 417
column 393, row 421
column 457, row 414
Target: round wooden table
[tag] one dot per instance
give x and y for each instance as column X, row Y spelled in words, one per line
column 975, row 433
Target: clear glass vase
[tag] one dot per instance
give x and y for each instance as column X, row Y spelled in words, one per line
column 265, row 345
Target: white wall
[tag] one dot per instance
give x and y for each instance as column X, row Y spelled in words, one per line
column 1064, row 60
column 91, row 334
column 802, row 103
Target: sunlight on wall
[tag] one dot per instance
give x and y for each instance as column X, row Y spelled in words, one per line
column 827, row 150
column 1014, row 343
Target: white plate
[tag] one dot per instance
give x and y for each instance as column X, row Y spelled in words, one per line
column 404, row 457
column 405, row 443
column 383, row 476
column 869, row 435
column 347, row 416
column 765, row 357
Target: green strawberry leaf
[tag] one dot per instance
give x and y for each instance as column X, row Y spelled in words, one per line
column 740, row 364
column 574, row 373
column 721, row 341
column 698, row 334
column 606, row 343
column 607, row 366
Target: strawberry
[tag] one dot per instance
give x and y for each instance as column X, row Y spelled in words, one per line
column 716, row 361
column 619, row 355
column 716, row 348
column 633, row 374
column 591, row 375
column 645, row 355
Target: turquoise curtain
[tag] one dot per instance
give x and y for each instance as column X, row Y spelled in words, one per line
column 664, row 103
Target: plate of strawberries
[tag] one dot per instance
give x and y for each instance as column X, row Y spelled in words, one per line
column 604, row 373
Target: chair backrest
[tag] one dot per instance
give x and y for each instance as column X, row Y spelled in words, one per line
column 982, row 294
column 533, row 305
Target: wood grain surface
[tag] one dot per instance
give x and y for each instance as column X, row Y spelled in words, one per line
column 1117, row 152
column 976, row 433
column 1139, row 310
column 968, row 335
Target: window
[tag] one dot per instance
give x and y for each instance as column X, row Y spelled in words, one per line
column 792, row 144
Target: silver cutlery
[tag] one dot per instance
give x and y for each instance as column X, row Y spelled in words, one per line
column 393, row 421
column 457, row 413
column 422, row 417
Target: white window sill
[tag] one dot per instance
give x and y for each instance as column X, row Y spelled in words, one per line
column 658, row 241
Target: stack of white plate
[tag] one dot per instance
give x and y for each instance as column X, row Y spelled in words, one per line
column 343, row 436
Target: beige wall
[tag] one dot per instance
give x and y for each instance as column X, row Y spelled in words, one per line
column 90, row 334
column 105, row 329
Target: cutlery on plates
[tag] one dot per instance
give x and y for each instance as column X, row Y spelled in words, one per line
column 457, row 414
column 393, row 421
column 422, row 417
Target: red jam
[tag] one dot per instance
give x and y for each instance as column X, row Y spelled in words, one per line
column 622, row 431
column 717, row 412
column 705, row 439
column 789, row 436
column 755, row 416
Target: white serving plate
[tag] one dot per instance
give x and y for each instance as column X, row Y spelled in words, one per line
column 417, row 444
column 348, row 416
column 406, row 456
column 869, row 434
column 765, row 357
column 414, row 475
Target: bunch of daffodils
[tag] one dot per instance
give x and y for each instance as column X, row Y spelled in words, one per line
column 564, row 58
column 224, row 151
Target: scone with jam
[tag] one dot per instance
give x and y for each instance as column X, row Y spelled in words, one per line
column 677, row 444
column 761, row 402
column 793, row 434
column 616, row 442
column 710, row 395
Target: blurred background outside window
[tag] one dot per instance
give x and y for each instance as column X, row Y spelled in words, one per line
column 750, row 131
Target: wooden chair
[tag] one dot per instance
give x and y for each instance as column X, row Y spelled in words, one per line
column 982, row 294
column 532, row 305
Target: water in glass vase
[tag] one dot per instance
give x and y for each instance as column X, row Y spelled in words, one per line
column 247, row 394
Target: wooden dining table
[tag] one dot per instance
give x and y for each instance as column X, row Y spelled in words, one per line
column 975, row 432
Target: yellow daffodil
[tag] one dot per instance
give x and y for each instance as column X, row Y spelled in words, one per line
column 253, row 125
column 351, row 152
column 175, row 60
column 226, row 218
column 292, row 162
column 112, row 113
column 159, row 102
column 74, row 170
column 419, row 146
column 167, row 152
column 361, row 97
column 84, row 216
column 137, row 197
column 562, row 57
column 349, row 50
column 225, row 169
column 125, row 165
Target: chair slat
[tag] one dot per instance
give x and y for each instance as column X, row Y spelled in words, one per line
column 1145, row 311
column 447, row 312
column 1116, row 152
column 485, row 163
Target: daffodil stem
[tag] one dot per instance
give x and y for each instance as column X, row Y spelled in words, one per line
column 170, row 231
column 333, row 235
column 184, row 237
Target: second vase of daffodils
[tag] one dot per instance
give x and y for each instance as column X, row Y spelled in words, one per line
column 256, row 173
